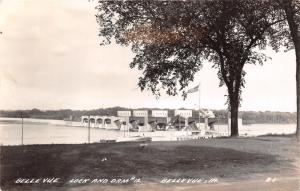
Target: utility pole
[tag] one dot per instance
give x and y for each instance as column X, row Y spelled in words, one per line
column 22, row 137
column 228, row 124
column 124, row 128
column 179, row 122
column 89, row 130
column 199, row 105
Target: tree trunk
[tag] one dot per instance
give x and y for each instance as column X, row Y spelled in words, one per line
column 297, row 49
column 234, row 109
column 293, row 22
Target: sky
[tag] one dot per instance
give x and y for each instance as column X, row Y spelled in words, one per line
column 50, row 58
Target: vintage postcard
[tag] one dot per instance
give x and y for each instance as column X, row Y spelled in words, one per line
column 149, row 95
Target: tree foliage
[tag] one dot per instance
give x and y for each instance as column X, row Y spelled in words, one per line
column 172, row 38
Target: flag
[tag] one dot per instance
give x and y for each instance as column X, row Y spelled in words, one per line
column 193, row 90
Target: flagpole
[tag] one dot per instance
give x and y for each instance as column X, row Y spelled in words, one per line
column 199, row 104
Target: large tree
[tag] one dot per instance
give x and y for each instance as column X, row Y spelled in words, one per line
column 171, row 39
column 291, row 9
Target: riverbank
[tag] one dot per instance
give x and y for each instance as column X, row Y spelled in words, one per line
column 45, row 132
column 226, row 159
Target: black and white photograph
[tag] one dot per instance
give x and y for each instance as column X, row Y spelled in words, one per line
column 150, row 95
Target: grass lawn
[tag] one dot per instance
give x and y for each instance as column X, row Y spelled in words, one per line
column 227, row 159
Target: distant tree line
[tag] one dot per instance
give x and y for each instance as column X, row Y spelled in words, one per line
column 252, row 117
column 249, row 117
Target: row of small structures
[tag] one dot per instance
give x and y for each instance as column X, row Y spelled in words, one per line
column 140, row 120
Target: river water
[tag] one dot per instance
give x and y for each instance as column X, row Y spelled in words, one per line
column 36, row 131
